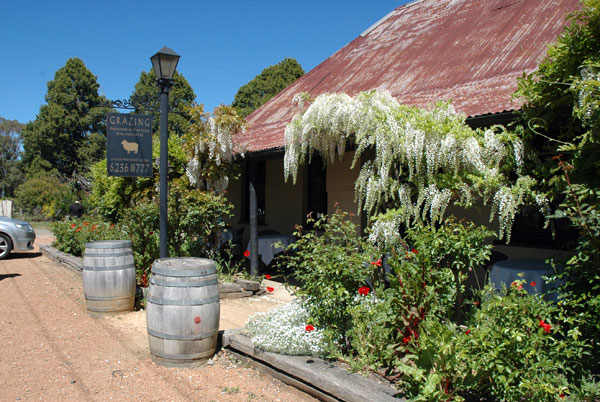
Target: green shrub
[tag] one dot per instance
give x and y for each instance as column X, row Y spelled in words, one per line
column 71, row 235
column 580, row 278
column 141, row 224
column 196, row 220
column 515, row 347
column 331, row 264
column 426, row 281
column 44, row 196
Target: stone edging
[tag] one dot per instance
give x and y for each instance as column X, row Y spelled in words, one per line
column 241, row 287
column 314, row 376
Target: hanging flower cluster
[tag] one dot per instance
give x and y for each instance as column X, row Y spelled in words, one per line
column 423, row 160
column 209, row 143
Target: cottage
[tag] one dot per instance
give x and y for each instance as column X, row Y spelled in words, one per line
column 467, row 51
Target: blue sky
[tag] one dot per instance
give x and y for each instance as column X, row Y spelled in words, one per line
column 223, row 44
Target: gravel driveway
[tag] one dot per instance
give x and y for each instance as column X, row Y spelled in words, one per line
column 52, row 350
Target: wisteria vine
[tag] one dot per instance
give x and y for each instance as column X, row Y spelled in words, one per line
column 424, row 159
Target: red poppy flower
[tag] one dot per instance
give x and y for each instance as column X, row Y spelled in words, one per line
column 85, row 223
column 144, row 280
column 270, row 289
column 94, row 227
column 414, row 251
column 532, row 283
column 112, row 225
column 78, row 229
column 406, row 339
column 517, row 285
column 309, row 328
column 246, row 253
column 364, row 290
column 467, row 332
column 378, row 263
column 547, row 327
column 267, row 276
column 73, row 225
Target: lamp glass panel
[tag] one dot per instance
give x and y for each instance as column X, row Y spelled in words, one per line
column 168, row 64
column 156, row 65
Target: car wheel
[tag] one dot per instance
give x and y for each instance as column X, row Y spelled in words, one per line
column 5, row 246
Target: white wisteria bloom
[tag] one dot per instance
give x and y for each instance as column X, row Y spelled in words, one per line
column 424, row 160
column 212, row 147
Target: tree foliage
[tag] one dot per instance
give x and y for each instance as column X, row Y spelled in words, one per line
column 10, row 150
column 65, row 134
column 561, row 110
column 181, row 97
column 562, row 122
column 44, row 195
column 267, row 84
column 112, row 196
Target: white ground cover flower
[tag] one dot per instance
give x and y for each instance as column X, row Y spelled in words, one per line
column 284, row 330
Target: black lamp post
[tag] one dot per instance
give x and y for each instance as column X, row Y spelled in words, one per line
column 164, row 63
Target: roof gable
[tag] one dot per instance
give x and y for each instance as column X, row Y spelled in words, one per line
column 468, row 51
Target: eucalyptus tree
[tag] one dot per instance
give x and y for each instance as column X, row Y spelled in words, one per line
column 10, row 151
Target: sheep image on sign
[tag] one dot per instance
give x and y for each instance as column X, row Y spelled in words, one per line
column 128, row 145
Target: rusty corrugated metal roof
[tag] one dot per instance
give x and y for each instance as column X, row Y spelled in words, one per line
column 469, row 51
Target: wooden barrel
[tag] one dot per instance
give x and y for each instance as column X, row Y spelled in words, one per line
column 108, row 277
column 182, row 311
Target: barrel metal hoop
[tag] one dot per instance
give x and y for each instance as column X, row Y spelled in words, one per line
column 109, row 244
column 179, row 273
column 121, row 254
column 183, row 302
column 180, row 284
column 191, row 337
column 111, row 268
column 109, row 298
column 192, row 356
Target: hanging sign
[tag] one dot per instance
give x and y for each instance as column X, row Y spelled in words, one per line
column 129, row 144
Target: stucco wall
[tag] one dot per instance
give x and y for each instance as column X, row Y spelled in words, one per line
column 340, row 186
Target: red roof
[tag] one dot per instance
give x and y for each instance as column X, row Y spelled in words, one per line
column 469, row 51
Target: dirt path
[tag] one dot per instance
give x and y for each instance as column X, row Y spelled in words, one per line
column 52, row 350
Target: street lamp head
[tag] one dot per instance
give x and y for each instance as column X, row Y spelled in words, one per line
column 164, row 63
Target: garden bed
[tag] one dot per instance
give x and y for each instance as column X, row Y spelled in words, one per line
column 314, row 376
column 241, row 288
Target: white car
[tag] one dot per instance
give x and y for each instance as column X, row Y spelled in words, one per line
column 15, row 235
